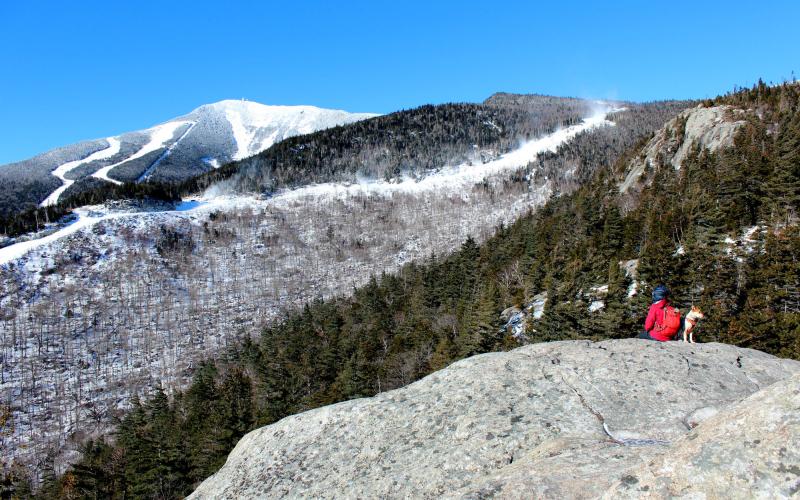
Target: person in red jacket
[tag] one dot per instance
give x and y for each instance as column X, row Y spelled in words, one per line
column 663, row 321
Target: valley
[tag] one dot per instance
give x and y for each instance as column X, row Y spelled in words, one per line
column 124, row 302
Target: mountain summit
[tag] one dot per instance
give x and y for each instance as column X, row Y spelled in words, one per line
column 173, row 151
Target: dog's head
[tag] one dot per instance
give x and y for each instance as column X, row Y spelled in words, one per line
column 697, row 313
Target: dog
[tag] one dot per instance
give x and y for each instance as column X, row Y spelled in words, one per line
column 690, row 321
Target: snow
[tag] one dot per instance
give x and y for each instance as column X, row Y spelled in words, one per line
column 249, row 120
column 745, row 244
column 17, row 250
column 596, row 305
column 456, row 179
column 62, row 170
column 166, row 153
column 212, row 162
column 159, row 135
column 88, row 216
column 185, row 206
column 536, row 307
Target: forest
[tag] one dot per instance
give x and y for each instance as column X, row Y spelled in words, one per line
column 684, row 230
column 411, row 140
column 139, row 301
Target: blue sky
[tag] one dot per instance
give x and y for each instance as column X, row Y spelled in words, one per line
column 81, row 70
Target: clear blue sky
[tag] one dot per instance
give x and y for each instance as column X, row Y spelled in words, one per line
column 85, row 69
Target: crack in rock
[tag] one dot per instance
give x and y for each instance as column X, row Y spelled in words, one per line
column 607, row 430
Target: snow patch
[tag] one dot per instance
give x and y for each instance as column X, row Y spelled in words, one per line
column 596, row 305
column 536, row 307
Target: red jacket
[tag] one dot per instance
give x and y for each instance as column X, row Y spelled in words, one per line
column 657, row 311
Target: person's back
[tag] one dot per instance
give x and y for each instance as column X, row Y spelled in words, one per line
column 663, row 320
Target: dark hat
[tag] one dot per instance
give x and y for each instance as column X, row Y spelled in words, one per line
column 660, row 292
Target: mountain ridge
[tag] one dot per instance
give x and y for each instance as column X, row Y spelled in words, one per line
column 168, row 151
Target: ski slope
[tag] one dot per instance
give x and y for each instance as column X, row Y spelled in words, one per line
column 159, row 136
column 62, row 170
column 149, row 171
column 447, row 181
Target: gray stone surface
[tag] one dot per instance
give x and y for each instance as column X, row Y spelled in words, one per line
column 709, row 128
column 558, row 420
column 750, row 450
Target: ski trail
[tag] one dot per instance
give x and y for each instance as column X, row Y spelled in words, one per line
column 159, row 136
column 152, row 167
column 62, row 170
column 86, row 220
column 240, row 134
column 447, row 180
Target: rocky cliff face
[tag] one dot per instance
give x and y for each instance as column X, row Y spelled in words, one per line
column 707, row 128
column 565, row 419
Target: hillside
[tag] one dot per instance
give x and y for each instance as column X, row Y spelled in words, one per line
column 557, row 420
column 408, row 142
column 171, row 152
column 691, row 227
column 137, row 300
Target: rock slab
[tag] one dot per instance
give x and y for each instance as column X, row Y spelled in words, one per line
column 571, row 419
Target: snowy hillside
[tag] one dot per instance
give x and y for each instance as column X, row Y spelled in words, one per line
column 132, row 295
column 115, row 272
column 256, row 126
column 204, row 139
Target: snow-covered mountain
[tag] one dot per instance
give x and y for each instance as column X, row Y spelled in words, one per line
column 144, row 293
column 175, row 150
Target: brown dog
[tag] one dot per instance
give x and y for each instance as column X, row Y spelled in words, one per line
column 690, row 321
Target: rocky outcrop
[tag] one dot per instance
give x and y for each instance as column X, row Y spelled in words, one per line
column 565, row 419
column 709, row 128
column 749, row 449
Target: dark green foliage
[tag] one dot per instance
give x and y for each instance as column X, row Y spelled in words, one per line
column 88, row 191
column 172, row 240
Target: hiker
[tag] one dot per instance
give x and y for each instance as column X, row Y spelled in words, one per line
column 663, row 320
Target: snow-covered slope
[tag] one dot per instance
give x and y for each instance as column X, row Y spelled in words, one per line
column 256, row 126
column 159, row 137
column 314, row 241
column 447, row 182
column 175, row 150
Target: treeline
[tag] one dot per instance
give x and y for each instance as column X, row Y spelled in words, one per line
column 409, row 141
column 34, row 219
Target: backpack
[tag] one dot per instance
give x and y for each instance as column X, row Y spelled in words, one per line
column 671, row 323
